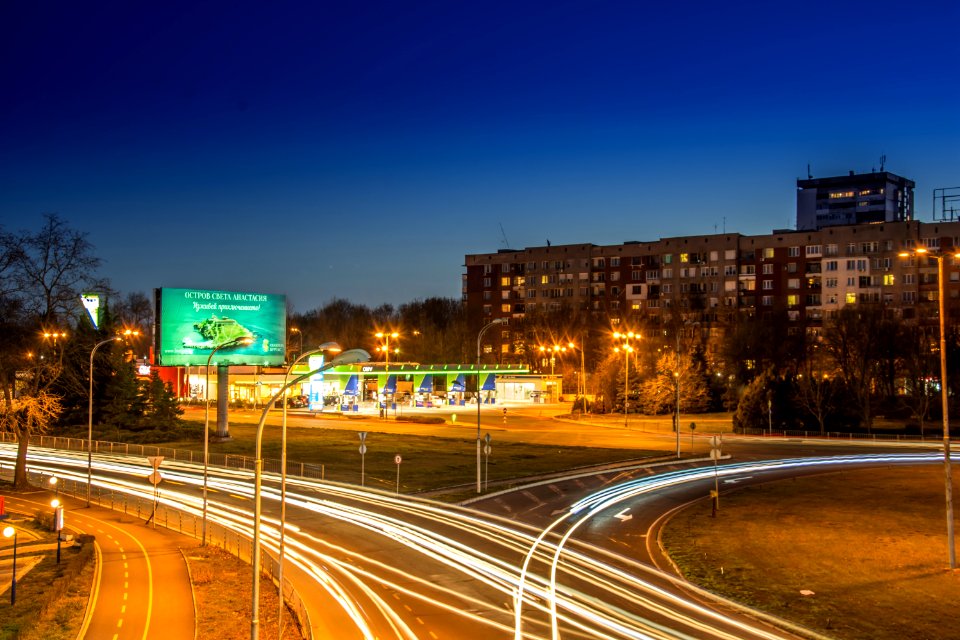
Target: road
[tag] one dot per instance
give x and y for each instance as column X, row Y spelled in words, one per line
column 141, row 590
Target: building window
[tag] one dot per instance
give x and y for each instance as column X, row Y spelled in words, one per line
column 768, row 253
column 908, row 296
column 488, row 282
column 668, row 288
column 614, row 262
column 667, row 258
column 831, row 265
column 714, row 256
column 531, row 293
column 636, row 275
column 832, row 250
column 636, row 289
column 487, row 295
column 768, row 269
column 748, row 270
column 505, row 281
column 505, row 294
column 487, row 309
column 813, row 250
column 667, row 273
column 730, row 254
column 505, row 308
column 792, row 267
column 831, row 283
column 793, row 300
column 888, row 280
column 909, row 278
column 730, row 270
column 793, row 283
column 793, row 252
column 767, row 285
column 614, row 276
column 767, row 301
column 487, row 269
column 851, row 297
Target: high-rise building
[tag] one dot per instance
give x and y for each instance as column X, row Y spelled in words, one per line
column 853, row 199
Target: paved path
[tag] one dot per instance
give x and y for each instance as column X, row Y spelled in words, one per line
column 142, row 587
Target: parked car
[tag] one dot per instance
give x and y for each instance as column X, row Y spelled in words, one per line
column 297, row 402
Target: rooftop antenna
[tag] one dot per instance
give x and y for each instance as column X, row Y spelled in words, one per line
column 809, row 175
column 503, row 235
column 883, row 161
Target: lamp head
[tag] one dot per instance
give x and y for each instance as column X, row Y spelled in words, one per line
column 8, row 532
column 330, row 346
column 54, row 503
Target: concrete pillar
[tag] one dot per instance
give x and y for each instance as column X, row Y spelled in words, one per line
column 223, row 399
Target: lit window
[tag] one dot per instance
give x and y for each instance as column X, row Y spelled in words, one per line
column 793, row 300
column 505, row 281
column 684, row 257
column 888, row 280
column 851, row 297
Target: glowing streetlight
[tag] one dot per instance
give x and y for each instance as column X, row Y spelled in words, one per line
column 326, row 346
column 347, row 357
column 126, row 334
column 300, row 339
column 948, row 481
column 10, row 532
column 385, row 347
column 245, row 340
column 627, row 349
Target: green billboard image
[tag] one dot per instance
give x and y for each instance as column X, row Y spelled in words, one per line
column 191, row 323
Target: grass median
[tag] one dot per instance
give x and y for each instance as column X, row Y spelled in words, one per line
column 869, row 544
column 427, row 462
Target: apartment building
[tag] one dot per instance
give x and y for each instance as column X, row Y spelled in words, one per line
column 853, row 199
column 705, row 280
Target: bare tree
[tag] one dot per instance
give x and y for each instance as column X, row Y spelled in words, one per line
column 43, row 273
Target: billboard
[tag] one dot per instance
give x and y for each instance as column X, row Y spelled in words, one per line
column 191, row 323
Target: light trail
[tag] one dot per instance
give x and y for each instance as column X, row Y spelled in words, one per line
column 485, row 549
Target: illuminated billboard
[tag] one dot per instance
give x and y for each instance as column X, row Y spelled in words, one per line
column 191, row 323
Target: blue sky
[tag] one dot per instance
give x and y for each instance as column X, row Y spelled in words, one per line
column 359, row 150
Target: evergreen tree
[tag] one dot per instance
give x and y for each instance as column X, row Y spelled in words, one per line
column 162, row 410
column 124, row 404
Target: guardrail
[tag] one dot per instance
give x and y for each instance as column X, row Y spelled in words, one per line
column 227, row 460
column 181, row 522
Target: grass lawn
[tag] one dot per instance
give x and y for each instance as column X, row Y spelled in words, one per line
column 870, row 544
column 51, row 598
column 427, row 462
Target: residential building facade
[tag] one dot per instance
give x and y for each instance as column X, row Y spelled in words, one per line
column 809, row 275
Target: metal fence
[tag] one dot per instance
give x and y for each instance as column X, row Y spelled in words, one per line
column 187, row 524
column 227, row 460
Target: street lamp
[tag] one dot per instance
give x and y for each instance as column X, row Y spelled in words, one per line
column 627, row 350
column 479, row 337
column 326, row 346
column 126, row 334
column 347, row 357
column 54, row 483
column 245, row 340
column 948, row 481
column 385, row 348
column 10, row 532
column 300, row 337
column 57, row 522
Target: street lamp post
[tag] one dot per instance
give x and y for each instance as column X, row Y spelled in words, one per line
column 10, row 532
column 948, row 480
column 299, row 339
column 347, row 357
column 627, row 350
column 126, row 333
column 57, row 522
column 326, row 346
column 496, row 321
column 385, row 348
column 206, row 426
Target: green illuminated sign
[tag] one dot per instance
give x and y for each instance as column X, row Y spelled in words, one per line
column 191, row 323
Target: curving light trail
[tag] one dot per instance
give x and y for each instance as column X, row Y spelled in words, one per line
column 624, row 599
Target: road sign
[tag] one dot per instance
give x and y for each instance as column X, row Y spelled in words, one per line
column 155, row 478
column 363, row 435
column 715, row 454
column 155, row 461
column 486, row 449
column 397, row 459
column 715, row 441
column 363, row 449
column 487, row 438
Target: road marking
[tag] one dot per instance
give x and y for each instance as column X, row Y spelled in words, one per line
column 119, row 623
column 236, row 497
column 736, row 480
column 622, row 516
column 433, row 635
column 123, row 609
column 418, row 619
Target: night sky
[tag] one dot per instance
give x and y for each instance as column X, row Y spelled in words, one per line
column 360, row 149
